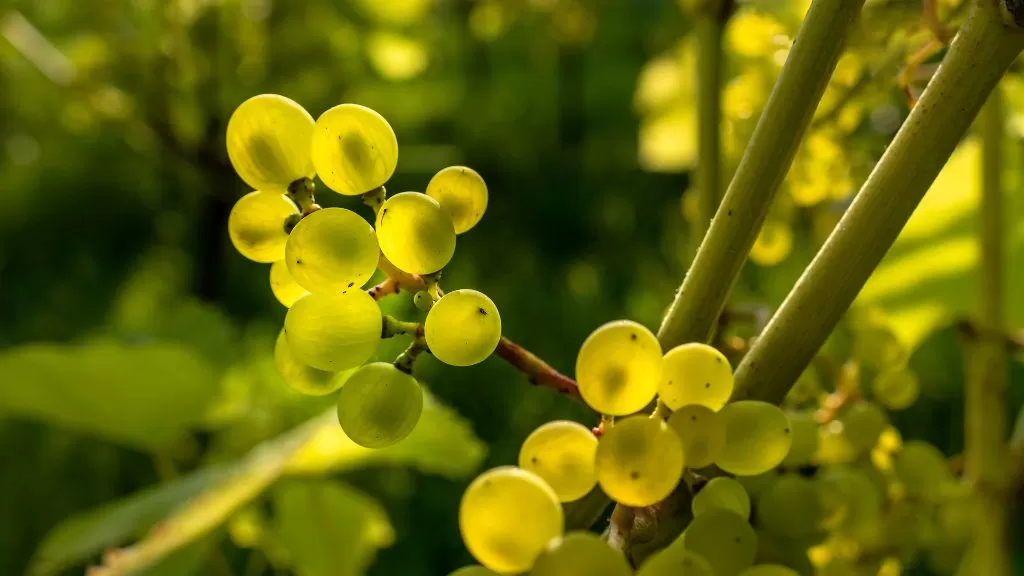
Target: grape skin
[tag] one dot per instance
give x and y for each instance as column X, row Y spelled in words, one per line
column 639, row 461
column 696, row 373
column 674, row 560
column 354, row 149
column 863, row 423
column 334, row 332
column 415, row 234
column 462, row 193
column 463, row 328
column 268, row 141
column 332, row 250
column 256, row 225
column 701, row 432
column 790, row 507
column 770, row 570
column 805, row 439
column 562, row 453
column 618, row 368
column 724, row 539
column 302, row 378
column 725, row 493
column 284, row 287
column 379, row 405
column 757, row 437
column 896, row 388
column 921, row 468
column 580, row 554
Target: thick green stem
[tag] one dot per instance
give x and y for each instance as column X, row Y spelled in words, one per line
column 981, row 53
column 734, row 229
column 710, row 59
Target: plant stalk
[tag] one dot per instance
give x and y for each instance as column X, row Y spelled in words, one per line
column 710, row 61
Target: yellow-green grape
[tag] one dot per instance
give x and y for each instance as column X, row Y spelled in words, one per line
column 722, row 492
column 833, row 445
column 268, row 142
column 332, row 250
column 256, row 225
column 805, row 439
column 695, row 373
column 618, row 368
column 877, row 347
column 302, row 378
column 852, row 503
column 415, row 234
column 790, row 507
column 724, row 539
column 284, row 287
column 770, row 570
column 423, row 301
column 863, row 423
column 354, row 149
column 507, row 517
column 921, row 468
column 674, row 560
column 806, row 390
column 896, row 388
column 334, row 331
column 580, row 554
column 462, row 193
column 562, row 453
column 639, row 461
column 379, row 405
column 473, row 571
column 701, row 432
column 757, row 437
column 463, row 328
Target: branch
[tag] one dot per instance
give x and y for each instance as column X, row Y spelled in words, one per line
column 710, row 26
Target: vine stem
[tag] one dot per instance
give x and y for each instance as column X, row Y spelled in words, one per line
column 982, row 51
column 710, row 61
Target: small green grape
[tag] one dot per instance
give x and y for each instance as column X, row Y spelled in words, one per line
column 805, row 439
column 618, row 368
column 921, row 468
column 284, row 287
column 757, row 437
column 770, row 570
column 877, row 347
column 463, row 328
column 473, row 571
column 851, row 501
column 379, row 405
column 896, row 388
column 562, row 453
column 332, row 250
column 674, row 560
column 722, row 492
column 415, row 234
column 423, row 301
column 790, row 507
column 268, row 142
column 334, row 331
column 639, row 461
column 302, row 378
column 724, row 539
column 462, row 193
column 863, row 422
column 354, row 149
column 696, row 373
column 833, row 445
column 580, row 554
column 256, row 225
column 507, row 517
column 701, row 432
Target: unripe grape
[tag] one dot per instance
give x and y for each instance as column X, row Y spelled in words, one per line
column 415, row 234
column 332, row 250
column 770, row 570
column 863, row 422
column 256, row 225
column 896, row 388
column 354, row 149
column 334, row 331
column 302, row 378
column 580, row 554
column 724, row 539
column 268, row 142
column 725, row 493
column 877, row 347
column 757, row 437
column 423, row 301
column 805, row 439
column 463, row 328
column 639, row 461
column 851, row 502
column 921, row 468
column 507, row 517
column 674, row 560
column 701, row 432
column 379, row 405
column 462, row 193
column 696, row 373
column 473, row 571
column 284, row 287
column 618, row 368
column 562, row 453
column 790, row 507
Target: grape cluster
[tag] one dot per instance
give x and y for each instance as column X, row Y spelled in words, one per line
column 322, row 258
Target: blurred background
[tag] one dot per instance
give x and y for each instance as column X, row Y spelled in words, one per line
column 136, row 366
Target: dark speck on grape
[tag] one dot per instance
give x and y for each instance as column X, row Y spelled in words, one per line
column 351, row 284
column 707, row 384
column 634, row 475
column 693, row 418
column 718, row 359
column 633, row 337
column 482, row 311
column 533, row 460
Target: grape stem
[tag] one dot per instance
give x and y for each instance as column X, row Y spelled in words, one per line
column 302, row 193
column 375, row 198
column 407, row 359
column 394, row 327
column 385, row 288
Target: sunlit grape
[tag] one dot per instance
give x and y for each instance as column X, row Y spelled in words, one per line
column 618, row 368
column 473, row 571
column 423, row 301
column 921, row 468
column 790, row 507
column 463, row 328
column 302, row 378
column 702, row 433
column 805, row 439
column 562, row 453
column 695, row 373
column 769, row 570
column 722, row 492
column 724, row 539
column 851, row 501
column 757, row 437
column 639, row 461
column 462, row 193
column 268, row 142
column 354, row 149
column 581, row 554
column 256, row 225
column 675, row 560
column 284, row 287
column 863, row 422
column 833, row 445
column 415, row 234
column 507, row 517
column 332, row 250
column 379, row 405
column 896, row 388
column 334, row 331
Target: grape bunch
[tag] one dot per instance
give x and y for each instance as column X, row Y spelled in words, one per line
column 322, row 258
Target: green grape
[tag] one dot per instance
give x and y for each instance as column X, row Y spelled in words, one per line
column 462, row 193
column 851, row 500
column 284, row 287
column 756, row 485
column 695, row 373
column 580, row 554
column 896, row 388
column 722, row 492
column 769, row 570
column 463, row 328
column 674, row 560
column 562, row 453
column 256, row 225
column 639, row 461
column 302, row 378
column 757, row 437
column 507, row 517
column 922, row 469
column 805, row 439
column 473, row 571
column 354, row 149
column 618, row 368
column 863, row 423
column 790, row 507
column 702, row 434
column 877, row 347
column 415, row 234
column 268, row 142
column 332, row 250
column 724, row 539
column 807, row 389
column 334, row 331
column 423, row 301
column 379, row 405
column 833, row 445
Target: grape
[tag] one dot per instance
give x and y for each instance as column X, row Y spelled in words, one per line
column 473, row 571
column 757, row 437
column 463, row 328
column 304, row 379
column 877, row 347
column 256, row 225
column 581, row 554
column 354, row 149
column 462, row 193
column 415, row 234
column 756, row 485
column 724, row 539
column 769, row 570
column 639, row 461
column 896, row 388
column 695, row 373
column 332, row 250
column 507, row 517
column 921, row 468
column 268, row 142
column 379, row 405
column 334, row 331
column 701, row 432
column 423, row 301
column 851, row 501
column 790, row 507
column 722, row 492
column 805, row 439
column 833, row 445
column 562, row 453
column 675, row 560
column 863, row 423
column 618, row 368
column 284, row 287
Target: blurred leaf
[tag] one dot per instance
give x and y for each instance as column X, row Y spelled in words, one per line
column 187, row 560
